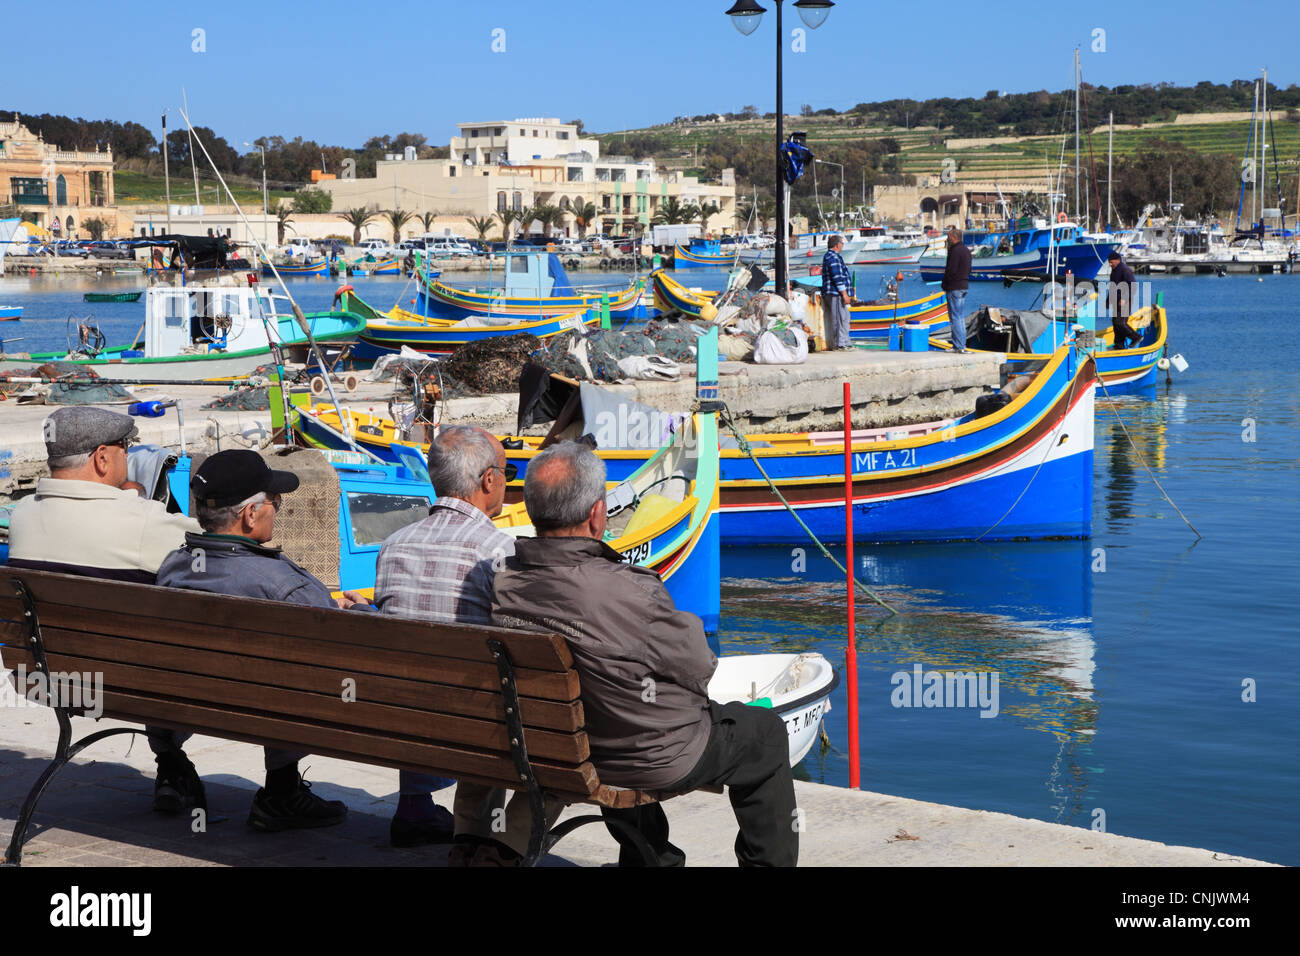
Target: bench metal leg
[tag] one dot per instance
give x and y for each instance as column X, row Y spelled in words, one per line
column 64, row 751
column 519, row 752
column 648, row 855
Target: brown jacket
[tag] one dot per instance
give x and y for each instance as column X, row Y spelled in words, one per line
column 644, row 665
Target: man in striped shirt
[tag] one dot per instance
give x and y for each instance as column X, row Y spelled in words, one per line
column 441, row 569
column 836, row 295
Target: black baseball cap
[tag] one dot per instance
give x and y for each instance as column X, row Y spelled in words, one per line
column 1114, row 254
column 229, row 477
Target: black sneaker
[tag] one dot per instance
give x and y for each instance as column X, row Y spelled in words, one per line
column 298, row 810
column 178, row 788
column 440, row 828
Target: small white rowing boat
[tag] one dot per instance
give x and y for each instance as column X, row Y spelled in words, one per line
column 797, row 686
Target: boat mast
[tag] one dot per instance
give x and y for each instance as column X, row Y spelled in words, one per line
column 167, row 179
column 1076, row 132
column 1110, row 168
column 1254, row 175
column 1262, row 178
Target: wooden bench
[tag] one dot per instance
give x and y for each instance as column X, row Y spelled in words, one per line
column 495, row 706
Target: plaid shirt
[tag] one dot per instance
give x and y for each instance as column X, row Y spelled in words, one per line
column 835, row 274
column 441, row 568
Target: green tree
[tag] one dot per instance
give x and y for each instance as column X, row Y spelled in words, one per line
column 526, row 217
column 397, row 218
column 702, row 212
column 96, row 227
column 583, row 217
column 482, row 225
column 309, row 201
column 671, row 212
column 427, row 218
column 507, row 217
column 283, row 217
column 357, row 218
column 1205, row 183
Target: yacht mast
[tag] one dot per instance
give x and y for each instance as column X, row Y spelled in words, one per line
column 1262, row 178
column 1110, row 167
column 1076, row 132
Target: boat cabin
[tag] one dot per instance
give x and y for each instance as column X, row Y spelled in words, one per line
column 532, row 275
column 230, row 318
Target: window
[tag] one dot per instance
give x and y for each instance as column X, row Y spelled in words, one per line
column 562, row 134
column 499, row 131
column 376, row 516
column 534, row 134
column 518, row 202
column 618, row 175
column 60, row 191
column 453, row 170
column 575, row 174
column 501, row 202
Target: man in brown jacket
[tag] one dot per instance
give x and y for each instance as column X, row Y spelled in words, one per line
column 645, row 668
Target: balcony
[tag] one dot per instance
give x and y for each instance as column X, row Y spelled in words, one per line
column 31, row 199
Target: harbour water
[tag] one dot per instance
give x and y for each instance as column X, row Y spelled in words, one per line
column 1147, row 682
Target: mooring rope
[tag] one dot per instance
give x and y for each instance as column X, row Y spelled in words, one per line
column 748, row 449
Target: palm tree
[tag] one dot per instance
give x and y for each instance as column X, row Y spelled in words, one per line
column 283, row 216
column 555, row 221
column 482, row 225
column 583, row 218
column 671, row 212
column 508, row 218
column 702, row 212
column 427, row 218
column 357, row 218
column 526, row 217
column 397, row 218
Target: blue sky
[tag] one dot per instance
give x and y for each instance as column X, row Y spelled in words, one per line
column 340, row 72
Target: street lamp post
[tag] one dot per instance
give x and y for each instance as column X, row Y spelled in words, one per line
column 745, row 16
column 266, row 222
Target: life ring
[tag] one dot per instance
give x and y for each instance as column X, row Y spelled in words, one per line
column 338, row 294
column 1061, row 217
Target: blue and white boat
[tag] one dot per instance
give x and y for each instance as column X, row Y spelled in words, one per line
column 1034, row 251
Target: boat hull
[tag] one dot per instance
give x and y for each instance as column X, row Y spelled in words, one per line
column 801, row 707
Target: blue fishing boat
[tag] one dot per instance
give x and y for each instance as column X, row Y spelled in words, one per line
column 534, row 285
column 388, row 332
column 10, row 312
column 321, row 268
column 1034, row 251
column 1032, row 335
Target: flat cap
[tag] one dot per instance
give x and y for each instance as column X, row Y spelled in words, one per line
column 78, row 429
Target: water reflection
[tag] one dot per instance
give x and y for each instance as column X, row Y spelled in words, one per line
column 1022, row 610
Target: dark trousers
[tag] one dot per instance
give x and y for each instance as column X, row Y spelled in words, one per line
column 749, row 753
column 1124, row 332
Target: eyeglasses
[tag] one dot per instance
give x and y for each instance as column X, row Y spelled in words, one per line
column 509, row 471
column 124, row 444
column 275, row 501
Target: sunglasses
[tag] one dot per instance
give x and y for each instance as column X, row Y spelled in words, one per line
column 510, row 471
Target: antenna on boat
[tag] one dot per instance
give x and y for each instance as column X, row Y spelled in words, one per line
column 297, row 310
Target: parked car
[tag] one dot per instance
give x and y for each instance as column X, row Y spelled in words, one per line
column 108, row 249
column 66, row 248
column 376, row 247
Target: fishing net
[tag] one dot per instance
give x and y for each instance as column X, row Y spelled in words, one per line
column 489, row 366
column 87, row 389
column 246, row 398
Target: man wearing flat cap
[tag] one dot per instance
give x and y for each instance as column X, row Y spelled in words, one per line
column 237, row 496
column 80, row 520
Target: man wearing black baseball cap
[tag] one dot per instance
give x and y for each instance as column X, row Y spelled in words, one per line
column 237, row 496
column 1119, row 300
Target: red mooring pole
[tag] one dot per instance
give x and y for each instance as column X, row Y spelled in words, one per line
column 851, row 651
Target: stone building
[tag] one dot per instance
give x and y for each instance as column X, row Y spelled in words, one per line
column 521, row 163
column 58, row 189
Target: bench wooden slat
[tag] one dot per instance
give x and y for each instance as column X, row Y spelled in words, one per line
column 348, row 743
column 86, row 652
column 173, row 650
column 60, row 594
column 363, row 715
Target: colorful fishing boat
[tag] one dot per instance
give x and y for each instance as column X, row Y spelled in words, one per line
column 8, row 312
column 535, row 286
column 369, row 265
column 1032, row 335
column 201, row 332
column 387, row 332
column 1021, row 471
column 286, row 270
column 1034, row 251
column 113, row 296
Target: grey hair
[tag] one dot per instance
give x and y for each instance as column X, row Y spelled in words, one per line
column 458, row 457
column 561, row 485
column 834, row 241
column 68, row 462
column 213, row 520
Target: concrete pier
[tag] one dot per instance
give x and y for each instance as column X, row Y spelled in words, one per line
column 97, row 813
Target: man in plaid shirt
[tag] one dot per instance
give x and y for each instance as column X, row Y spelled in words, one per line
column 836, row 283
column 441, row 569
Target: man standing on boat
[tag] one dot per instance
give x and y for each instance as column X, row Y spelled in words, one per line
column 836, row 285
column 956, row 281
column 1119, row 300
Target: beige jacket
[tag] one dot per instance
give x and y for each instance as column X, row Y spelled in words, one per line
column 88, row 526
